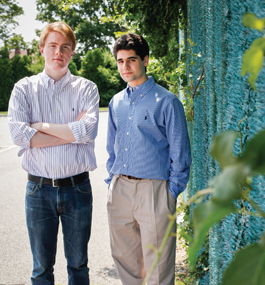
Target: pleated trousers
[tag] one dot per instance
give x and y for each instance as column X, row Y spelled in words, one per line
column 138, row 217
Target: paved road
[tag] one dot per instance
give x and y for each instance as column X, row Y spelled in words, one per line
column 15, row 255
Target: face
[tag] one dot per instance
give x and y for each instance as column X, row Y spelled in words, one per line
column 57, row 53
column 132, row 67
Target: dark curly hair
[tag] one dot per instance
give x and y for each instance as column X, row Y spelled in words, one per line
column 134, row 42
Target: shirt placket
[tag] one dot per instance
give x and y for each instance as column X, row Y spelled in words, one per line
column 56, row 119
column 129, row 134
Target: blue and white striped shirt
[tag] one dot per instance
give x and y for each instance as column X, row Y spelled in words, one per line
column 38, row 99
column 147, row 136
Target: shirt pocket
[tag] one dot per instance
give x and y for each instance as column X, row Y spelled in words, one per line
column 148, row 125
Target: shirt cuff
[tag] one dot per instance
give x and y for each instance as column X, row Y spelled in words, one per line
column 175, row 190
column 108, row 180
column 29, row 136
column 75, row 128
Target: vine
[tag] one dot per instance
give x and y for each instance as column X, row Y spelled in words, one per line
column 232, row 185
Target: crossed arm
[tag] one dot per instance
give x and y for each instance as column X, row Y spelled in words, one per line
column 53, row 134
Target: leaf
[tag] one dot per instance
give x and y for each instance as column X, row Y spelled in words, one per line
column 248, row 267
column 254, row 154
column 226, row 184
column 204, row 217
column 222, row 148
column 253, row 61
column 250, row 21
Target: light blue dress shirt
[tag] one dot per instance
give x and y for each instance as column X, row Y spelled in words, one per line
column 147, row 136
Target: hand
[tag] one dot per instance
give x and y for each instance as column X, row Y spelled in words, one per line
column 81, row 116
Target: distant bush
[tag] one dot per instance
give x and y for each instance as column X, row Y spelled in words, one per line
column 6, row 78
column 100, row 67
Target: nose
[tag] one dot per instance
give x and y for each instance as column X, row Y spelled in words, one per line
column 126, row 65
column 58, row 50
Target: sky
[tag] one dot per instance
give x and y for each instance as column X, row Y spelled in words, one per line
column 27, row 22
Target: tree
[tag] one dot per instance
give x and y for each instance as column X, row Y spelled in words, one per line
column 72, row 67
column 37, row 59
column 20, row 67
column 9, row 10
column 6, row 80
column 84, row 17
column 100, row 67
column 16, row 42
column 158, row 21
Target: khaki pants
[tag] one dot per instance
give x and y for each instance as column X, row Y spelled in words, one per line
column 138, row 216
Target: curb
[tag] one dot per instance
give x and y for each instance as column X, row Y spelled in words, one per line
column 102, row 111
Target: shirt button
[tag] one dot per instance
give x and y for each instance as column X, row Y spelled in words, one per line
column 133, row 103
column 130, row 118
column 127, row 133
column 124, row 165
column 126, row 149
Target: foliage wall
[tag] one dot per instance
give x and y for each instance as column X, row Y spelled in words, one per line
column 10, row 72
column 216, row 29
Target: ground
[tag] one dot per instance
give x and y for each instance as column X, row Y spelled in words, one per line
column 181, row 267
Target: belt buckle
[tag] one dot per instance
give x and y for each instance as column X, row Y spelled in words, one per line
column 53, row 182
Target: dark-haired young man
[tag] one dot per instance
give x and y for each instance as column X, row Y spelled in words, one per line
column 53, row 117
column 149, row 163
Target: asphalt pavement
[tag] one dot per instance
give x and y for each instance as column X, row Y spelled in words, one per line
column 15, row 254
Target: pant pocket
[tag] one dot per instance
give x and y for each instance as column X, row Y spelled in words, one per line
column 111, row 187
column 31, row 188
column 171, row 201
column 84, row 187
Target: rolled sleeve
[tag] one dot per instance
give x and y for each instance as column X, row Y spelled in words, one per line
column 19, row 120
column 85, row 130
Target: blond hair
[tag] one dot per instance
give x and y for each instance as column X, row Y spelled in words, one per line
column 61, row 28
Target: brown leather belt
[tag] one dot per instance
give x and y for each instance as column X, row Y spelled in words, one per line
column 69, row 181
column 131, row 177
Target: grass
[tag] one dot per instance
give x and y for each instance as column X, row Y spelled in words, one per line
column 100, row 109
column 103, row 108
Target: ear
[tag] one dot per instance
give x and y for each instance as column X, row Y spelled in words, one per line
column 146, row 60
column 41, row 50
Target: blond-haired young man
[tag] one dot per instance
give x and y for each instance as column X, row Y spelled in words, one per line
column 53, row 117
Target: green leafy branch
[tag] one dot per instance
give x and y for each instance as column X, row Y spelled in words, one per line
column 169, row 233
column 231, row 184
column 254, row 56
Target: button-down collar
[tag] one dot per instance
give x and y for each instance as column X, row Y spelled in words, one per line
column 141, row 90
column 47, row 80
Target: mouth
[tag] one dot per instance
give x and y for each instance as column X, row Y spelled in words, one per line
column 58, row 59
column 127, row 73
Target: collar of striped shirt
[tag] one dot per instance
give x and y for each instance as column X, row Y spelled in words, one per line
column 47, row 80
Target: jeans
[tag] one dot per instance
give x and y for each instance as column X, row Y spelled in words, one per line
column 44, row 206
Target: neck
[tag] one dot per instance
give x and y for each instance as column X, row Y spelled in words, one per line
column 137, row 83
column 55, row 75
